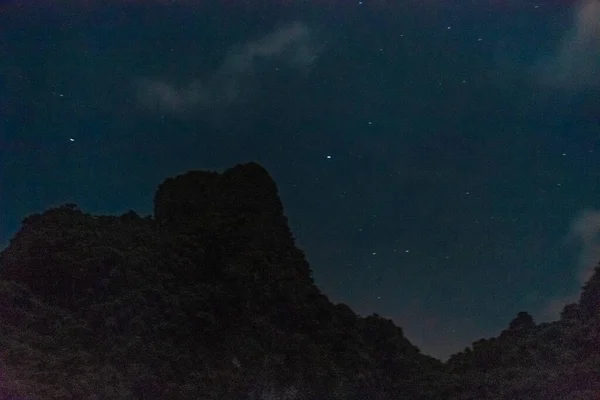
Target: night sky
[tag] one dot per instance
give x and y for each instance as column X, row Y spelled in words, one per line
column 439, row 161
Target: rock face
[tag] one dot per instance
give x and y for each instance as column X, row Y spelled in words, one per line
column 237, row 215
column 209, row 299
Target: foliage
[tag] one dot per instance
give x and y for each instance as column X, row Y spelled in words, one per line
column 211, row 299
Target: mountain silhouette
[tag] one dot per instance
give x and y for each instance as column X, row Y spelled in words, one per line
column 211, row 299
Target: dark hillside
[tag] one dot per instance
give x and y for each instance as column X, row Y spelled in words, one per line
column 557, row 360
column 209, row 299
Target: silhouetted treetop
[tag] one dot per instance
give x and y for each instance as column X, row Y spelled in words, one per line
column 522, row 322
column 589, row 302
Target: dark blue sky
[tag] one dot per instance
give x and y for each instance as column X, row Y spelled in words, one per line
column 438, row 161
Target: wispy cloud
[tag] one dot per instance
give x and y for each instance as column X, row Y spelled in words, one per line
column 584, row 230
column 292, row 44
column 575, row 64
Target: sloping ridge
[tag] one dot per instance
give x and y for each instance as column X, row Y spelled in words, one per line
column 210, row 299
